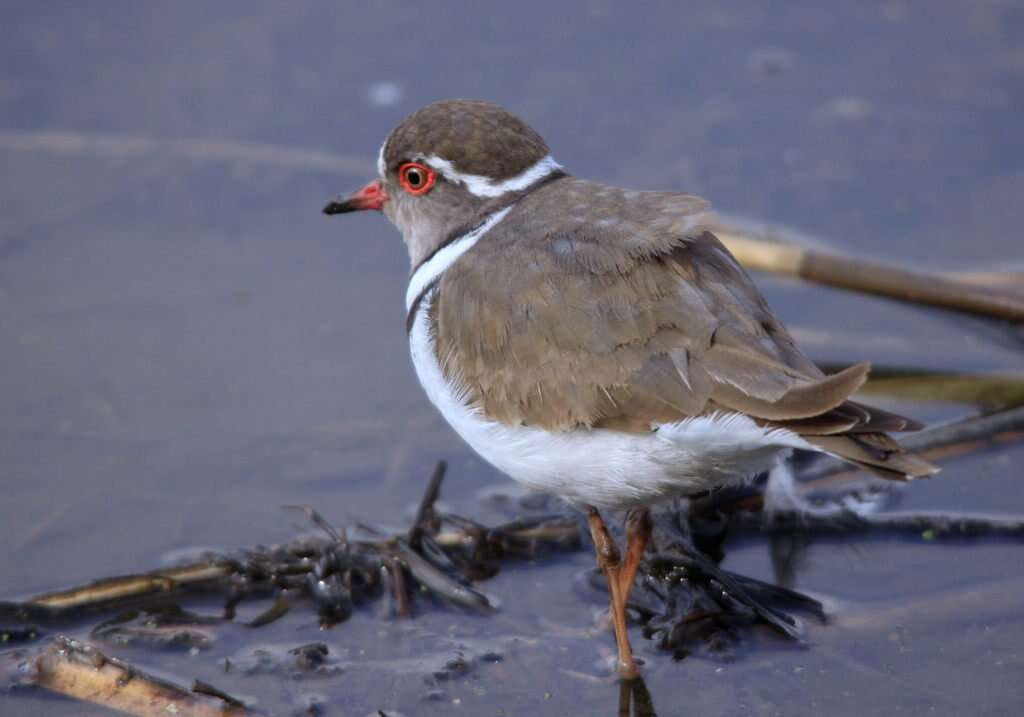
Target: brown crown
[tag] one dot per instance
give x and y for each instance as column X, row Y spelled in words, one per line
column 477, row 137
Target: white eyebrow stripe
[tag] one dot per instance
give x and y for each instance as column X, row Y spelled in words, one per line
column 382, row 168
column 485, row 186
column 431, row 269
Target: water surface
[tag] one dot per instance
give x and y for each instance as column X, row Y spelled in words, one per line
column 189, row 344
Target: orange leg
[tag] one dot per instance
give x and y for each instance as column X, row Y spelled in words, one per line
column 638, row 533
column 609, row 562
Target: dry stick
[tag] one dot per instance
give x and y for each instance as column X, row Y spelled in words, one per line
column 870, row 277
column 119, row 591
column 401, row 592
column 319, row 521
column 82, row 672
column 437, row 581
column 931, row 525
column 1004, row 280
column 425, row 511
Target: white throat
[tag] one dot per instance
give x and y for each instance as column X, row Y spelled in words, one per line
column 427, row 272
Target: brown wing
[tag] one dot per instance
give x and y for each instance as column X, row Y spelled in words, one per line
column 623, row 323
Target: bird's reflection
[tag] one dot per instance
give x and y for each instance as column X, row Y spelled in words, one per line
column 789, row 557
column 635, row 699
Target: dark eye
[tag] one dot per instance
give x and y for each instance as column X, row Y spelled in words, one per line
column 415, row 178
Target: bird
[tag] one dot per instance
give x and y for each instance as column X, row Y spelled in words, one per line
column 597, row 343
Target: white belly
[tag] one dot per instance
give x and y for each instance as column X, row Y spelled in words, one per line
column 600, row 467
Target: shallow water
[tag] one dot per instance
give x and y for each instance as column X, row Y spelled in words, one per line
column 189, row 344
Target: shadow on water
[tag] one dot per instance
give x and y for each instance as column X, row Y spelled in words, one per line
column 635, row 699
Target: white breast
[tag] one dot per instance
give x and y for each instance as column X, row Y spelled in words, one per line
column 599, row 467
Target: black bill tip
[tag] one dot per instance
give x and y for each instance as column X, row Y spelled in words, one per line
column 337, row 207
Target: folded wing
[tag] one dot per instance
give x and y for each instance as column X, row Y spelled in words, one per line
column 620, row 324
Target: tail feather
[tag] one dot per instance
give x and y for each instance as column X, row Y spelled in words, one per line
column 851, row 417
column 875, row 452
column 821, row 413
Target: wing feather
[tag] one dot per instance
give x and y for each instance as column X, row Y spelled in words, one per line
column 629, row 323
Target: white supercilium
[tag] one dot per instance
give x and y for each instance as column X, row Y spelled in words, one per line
column 485, row 186
column 382, row 168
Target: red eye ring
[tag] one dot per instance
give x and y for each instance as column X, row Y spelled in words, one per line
column 416, row 178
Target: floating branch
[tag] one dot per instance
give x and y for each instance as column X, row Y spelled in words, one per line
column 927, row 525
column 915, row 287
column 82, row 672
column 1007, row 280
column 120, row 592
column 440, row 554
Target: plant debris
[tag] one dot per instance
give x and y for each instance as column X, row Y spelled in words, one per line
column 80, row 671
column 439, row 557
column 680, row 592
column 683, row 599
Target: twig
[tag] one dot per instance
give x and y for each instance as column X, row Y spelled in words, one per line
column 319, row 521
column 697, row 566
column 869, row 277
column 280, row 607
column 928, row 525
column 1012, row 280
column 401, row 592
column 82, row 672
column 205, row 688
column 120, row 591
column 425, row 511
column 968, row 429
column 436, row 581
